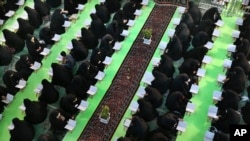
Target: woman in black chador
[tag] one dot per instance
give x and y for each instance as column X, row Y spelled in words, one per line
column 62, row 76
column 22, row 130
column 42, row 8
column 13, row 41
column 57, row 21
column 35, row 111
column 34, row 47
column 69, row 103
column 49, row 94
column 35, row 18
column 97, row 26
column 24, row 28
column 5, row 56
column 88, row 38
column 102, row 12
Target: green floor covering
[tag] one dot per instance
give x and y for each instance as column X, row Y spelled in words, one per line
column 197, row 122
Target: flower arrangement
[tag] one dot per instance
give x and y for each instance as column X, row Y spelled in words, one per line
column 105, row 112
column 147, row 33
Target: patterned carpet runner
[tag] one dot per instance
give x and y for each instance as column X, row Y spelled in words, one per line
column 127, row 80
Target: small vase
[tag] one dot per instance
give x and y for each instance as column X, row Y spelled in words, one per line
column 103, row 120
column 147, row 41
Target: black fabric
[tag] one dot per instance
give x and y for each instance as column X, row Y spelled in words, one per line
column 200, row 39
column 188, row 20
column 230, row 99
column 174, row 48
column 106, row 45
column 196, row 53
column 181, row 83
column 184, row 34
column 78, row 86
column 13, row 41
column 97, row 57
column 11, row 5
column 166, row 66
column 57, row 21
column 168, row 121
column 79, row 51
column 195, row 12
column 35, row 18
column 46, row 35
column 11, row 79
column 138, row 129
column 227, row 118
column 245, row 113
column 49, row 94
column 121, row 19
column 102, row 12
column 206, row 26
column 35, row 112
column 34, row 47
column 129, row 10
column 153, row 96
column 189, row 66
column 42, row 8
column 212, row 14
column 58, row 124
column 47, row 137
column 54, row 3
column 24, row 28
column 146, row 110
column 161, row 82
column 112, row 5
column 88, row 71
column 97, row 26
column 115, row 30
column 236, row 80
column 88, row 38
column 22, row 130
column 240, row 60
column 176, row 101
column 69, row 103
column 5, row 56
column 24, row 63
column 61, row 75
column 243, row 46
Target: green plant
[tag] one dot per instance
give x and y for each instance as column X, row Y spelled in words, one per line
column 105, row 112
column 147, row 33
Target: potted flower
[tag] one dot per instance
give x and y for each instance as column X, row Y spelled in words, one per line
column 147, row 34
column 105, row 114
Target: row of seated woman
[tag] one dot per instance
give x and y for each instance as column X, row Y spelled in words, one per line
column 75, row 84
column 194, row 31
column 15, row 43
column 35, row 111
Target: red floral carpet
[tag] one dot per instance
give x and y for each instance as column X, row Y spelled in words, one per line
column 126, row 82
column 172, row 2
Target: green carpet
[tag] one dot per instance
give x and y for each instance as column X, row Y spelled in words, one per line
column 197, row 122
